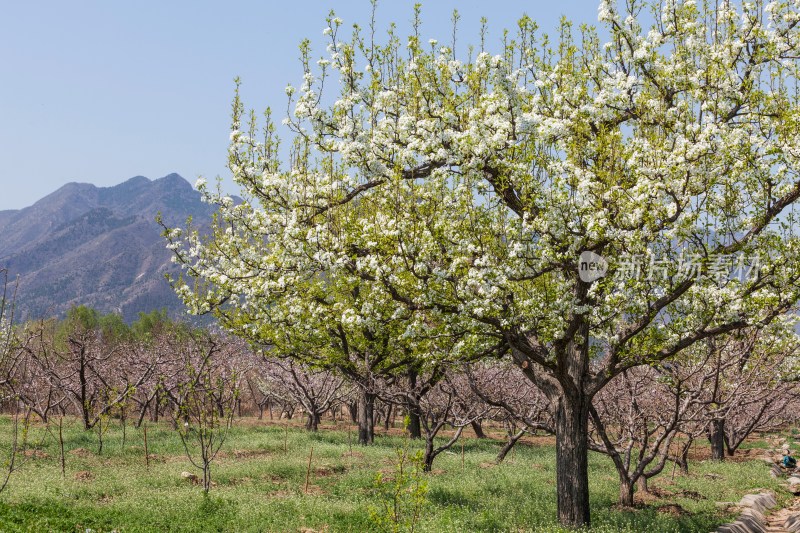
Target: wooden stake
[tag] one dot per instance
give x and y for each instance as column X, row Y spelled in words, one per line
column 61, row 447
column 146, row 451
column 285, row 436
column 308, row 470
column 124, row 426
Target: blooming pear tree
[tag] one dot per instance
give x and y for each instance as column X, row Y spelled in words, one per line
column 584, row 205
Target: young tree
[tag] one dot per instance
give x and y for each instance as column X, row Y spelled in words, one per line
column 511, row 200
column 317, row 391
column 449, row 402
column 204, row 402
column 82, row 360
column 12, row 451
column 519, row 405
column 27, row 375
column 635, row 419
column 259, row 392
column 745, row 381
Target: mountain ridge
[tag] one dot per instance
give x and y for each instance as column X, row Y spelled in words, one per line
column 98, row 246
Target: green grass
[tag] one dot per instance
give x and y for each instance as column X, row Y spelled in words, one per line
column 259, row 487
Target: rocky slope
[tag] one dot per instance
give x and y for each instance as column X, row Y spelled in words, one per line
column 97, row 246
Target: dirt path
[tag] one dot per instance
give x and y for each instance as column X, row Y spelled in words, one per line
column 777, row 519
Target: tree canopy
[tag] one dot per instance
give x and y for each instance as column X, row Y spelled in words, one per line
column 457, row 193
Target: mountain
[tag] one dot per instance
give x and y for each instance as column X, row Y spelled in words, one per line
column 97, row 246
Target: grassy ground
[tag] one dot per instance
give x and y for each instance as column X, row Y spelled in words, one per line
column 259, row 487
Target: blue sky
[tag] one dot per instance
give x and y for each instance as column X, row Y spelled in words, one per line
column 98, row 91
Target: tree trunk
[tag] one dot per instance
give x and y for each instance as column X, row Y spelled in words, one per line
column 142, row 414
column 412, row 406
column 154, row 411
column 313, row 421
column 716, row 436
column 641, row 484
column 430, row 452
column 414, row 425
column 572, row 459
column 625, row 492
column 512, row 440
column 429, row 456
column 388, row 418
column 478, row 429
column 124, row 425
column 683, row 457
column 366, row 420
column 730, row 448
column 83, row 393
column 206, row 477
column 99, row 427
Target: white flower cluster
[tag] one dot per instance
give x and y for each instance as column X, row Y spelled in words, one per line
column 439, row 198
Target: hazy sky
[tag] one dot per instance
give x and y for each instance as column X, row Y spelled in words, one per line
column 99, row 91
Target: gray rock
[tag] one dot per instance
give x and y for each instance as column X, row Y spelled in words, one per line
column 759, row 502
column 792, row 523
column 745, row 524
column 752, row 518
column 188, row 476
